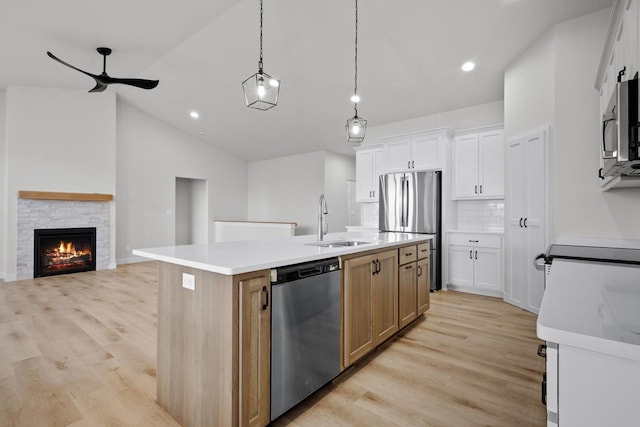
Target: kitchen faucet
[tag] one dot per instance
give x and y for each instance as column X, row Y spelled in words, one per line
column 322, row 211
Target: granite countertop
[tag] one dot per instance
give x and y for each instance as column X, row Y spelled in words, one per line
column 245, row 256
column 592, row 306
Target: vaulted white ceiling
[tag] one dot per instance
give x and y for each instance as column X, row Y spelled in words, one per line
column 410, row 53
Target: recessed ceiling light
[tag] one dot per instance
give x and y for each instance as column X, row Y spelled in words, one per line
column 194, row 114
column 468, row 66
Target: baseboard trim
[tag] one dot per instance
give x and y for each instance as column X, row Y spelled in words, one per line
column 130, row 260
column 485, row 292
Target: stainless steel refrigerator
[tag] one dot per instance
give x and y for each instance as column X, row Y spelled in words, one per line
column 411, row 202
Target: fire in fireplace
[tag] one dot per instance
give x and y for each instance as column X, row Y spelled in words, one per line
column 64, row 250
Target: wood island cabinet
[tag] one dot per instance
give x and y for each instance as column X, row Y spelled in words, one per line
column 370, row 302
column 413, row 283
column 214, row 347
column 424, row 277
column 255, row 350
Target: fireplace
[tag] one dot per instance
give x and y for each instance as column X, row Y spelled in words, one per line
column 63, row 251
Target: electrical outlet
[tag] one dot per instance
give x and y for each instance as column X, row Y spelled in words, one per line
column 189, row 281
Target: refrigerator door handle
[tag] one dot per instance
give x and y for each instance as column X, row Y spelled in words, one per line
column 405, row 201
column 402, row 198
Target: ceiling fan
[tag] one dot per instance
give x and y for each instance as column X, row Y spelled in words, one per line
column 103, row 80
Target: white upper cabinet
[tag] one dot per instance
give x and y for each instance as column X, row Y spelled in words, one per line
column 478, row 165
column 369, row 166
column 422, row 151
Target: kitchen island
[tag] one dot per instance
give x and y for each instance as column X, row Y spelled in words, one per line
column 214, row 314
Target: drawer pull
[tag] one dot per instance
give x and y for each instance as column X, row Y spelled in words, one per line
column 408, row 254
column 473, row 241
column 409, row 267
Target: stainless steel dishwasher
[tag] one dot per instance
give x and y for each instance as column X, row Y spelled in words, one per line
column 305, row 331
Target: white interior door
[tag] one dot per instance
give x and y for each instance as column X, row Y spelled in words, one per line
column 534, row 223
column 515, row 289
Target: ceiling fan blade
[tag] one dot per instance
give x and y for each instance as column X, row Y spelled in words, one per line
column 141, row 83
column 100, row 87
column 52, row 56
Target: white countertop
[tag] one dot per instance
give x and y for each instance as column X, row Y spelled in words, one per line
column 593, row 306
column 498, row 232
column 244, row 256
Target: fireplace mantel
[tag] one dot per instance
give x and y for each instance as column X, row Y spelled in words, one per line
column 49, row 195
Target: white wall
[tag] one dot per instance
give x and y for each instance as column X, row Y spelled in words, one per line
column 338, row 169
column 553, row 83
column 57, row 140
column 3, row 186
column 580, row 208
column 287, row 189
column 529, row 88
column 465, row 118
column 150, row 155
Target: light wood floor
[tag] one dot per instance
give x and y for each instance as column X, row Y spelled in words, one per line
column 79, row 350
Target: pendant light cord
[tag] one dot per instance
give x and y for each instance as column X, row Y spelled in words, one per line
column 355, row 89
column 260, row 61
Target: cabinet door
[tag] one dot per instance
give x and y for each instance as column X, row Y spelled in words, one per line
column 488, row 268
column 465, row 166
column 534, row 223
column 379, row 168
column 358, row 308
column 398, row 155
column 461, row 265
column 255, row 351
column 407, row 294
column 364, row 175
column 423, row 285
column 515, row 214
column 491, row 164
column 385, row 296
column 426, row 152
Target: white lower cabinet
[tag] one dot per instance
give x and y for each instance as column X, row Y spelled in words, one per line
column 475, row 263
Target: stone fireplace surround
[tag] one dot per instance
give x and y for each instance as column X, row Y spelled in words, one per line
column 60, row 210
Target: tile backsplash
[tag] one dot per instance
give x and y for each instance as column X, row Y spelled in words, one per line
column 369, row 214
column 481, row 215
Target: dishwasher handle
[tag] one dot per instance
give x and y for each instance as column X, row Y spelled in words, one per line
column 311, row 271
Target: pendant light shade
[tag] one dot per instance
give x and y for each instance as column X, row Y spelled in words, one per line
column 356, row 126
column 260, row 89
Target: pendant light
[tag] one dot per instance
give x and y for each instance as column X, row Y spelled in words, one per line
column 261, row 90
column 356, row 126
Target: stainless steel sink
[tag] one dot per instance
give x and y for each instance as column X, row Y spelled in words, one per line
column 337, row 243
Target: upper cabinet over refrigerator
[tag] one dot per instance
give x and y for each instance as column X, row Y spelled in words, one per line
column 415, row 152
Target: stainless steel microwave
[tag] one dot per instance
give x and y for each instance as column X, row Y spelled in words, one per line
column 620, row 145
